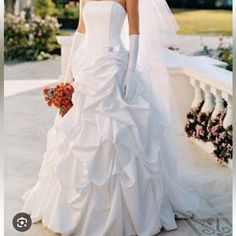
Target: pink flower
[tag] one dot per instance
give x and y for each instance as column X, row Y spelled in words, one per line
column 217, row 140
column 214, row 131
column 222, row 135
column 221, row 39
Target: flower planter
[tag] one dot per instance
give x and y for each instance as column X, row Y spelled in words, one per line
column 212, row 132
column 209, row 147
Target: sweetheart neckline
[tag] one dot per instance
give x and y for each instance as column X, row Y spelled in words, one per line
column 111, row 1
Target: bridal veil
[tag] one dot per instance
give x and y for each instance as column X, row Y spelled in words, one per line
column 157, row 32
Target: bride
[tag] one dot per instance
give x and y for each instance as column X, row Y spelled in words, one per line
column 110, row 165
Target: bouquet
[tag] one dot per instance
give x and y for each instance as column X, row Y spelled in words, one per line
column 59, row 96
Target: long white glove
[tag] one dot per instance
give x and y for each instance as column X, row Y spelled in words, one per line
column 128, row 84
column 76, row 42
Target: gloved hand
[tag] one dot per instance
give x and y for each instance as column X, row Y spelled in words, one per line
column 76, row 42
column 129, row 83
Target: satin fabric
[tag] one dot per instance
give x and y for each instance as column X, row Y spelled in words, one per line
column 109, row 166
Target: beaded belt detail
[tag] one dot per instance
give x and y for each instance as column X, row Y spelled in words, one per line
column 116, row 48
column 113, row 48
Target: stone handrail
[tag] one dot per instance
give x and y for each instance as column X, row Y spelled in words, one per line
column 65, row 43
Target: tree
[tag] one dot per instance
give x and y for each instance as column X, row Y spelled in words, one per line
column 60, row 2
column 200, row 3
column 9, row 6
column 44, row 7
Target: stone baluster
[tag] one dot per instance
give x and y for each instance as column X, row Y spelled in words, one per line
column 219, row 103
column 208, row 105
column 228, row 120
column 198, row 96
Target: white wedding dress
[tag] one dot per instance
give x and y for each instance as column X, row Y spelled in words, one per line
column 106, row 168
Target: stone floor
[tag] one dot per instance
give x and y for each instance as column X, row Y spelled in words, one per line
column 192, row 44
column 40, row 70
column 27, row 120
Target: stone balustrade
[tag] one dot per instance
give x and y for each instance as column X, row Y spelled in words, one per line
column 211, row 85
column 196, row 82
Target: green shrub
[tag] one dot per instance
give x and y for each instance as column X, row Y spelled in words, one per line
column 69, row 11
column 59, row 3
column 225, row 54
column 16, row 37
column 44, row 8
column 44, row 33
column 30, row 42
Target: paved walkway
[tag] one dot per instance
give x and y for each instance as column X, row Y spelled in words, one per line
column 26, row 76
column 191, row 44
column 12, row 87
column 27, row 120
column 49, row 69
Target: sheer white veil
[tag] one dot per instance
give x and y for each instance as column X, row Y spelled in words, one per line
column 157, row 32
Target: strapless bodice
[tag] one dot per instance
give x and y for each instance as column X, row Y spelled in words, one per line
column 103, row 23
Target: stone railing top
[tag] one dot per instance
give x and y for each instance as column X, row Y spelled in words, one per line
column 62, row 40
column 209, row 74
column 210, row 61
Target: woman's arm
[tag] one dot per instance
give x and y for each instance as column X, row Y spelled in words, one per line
column 133, row 16
column 76, row 42
column 81, row 26
column 133, row 19
column 129, row 83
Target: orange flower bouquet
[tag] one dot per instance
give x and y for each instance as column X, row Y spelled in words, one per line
column 59, row 96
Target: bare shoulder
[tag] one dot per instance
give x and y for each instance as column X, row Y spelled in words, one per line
column 131, row 3
column 81, row 25
column 132, row 6
column 133, row 16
